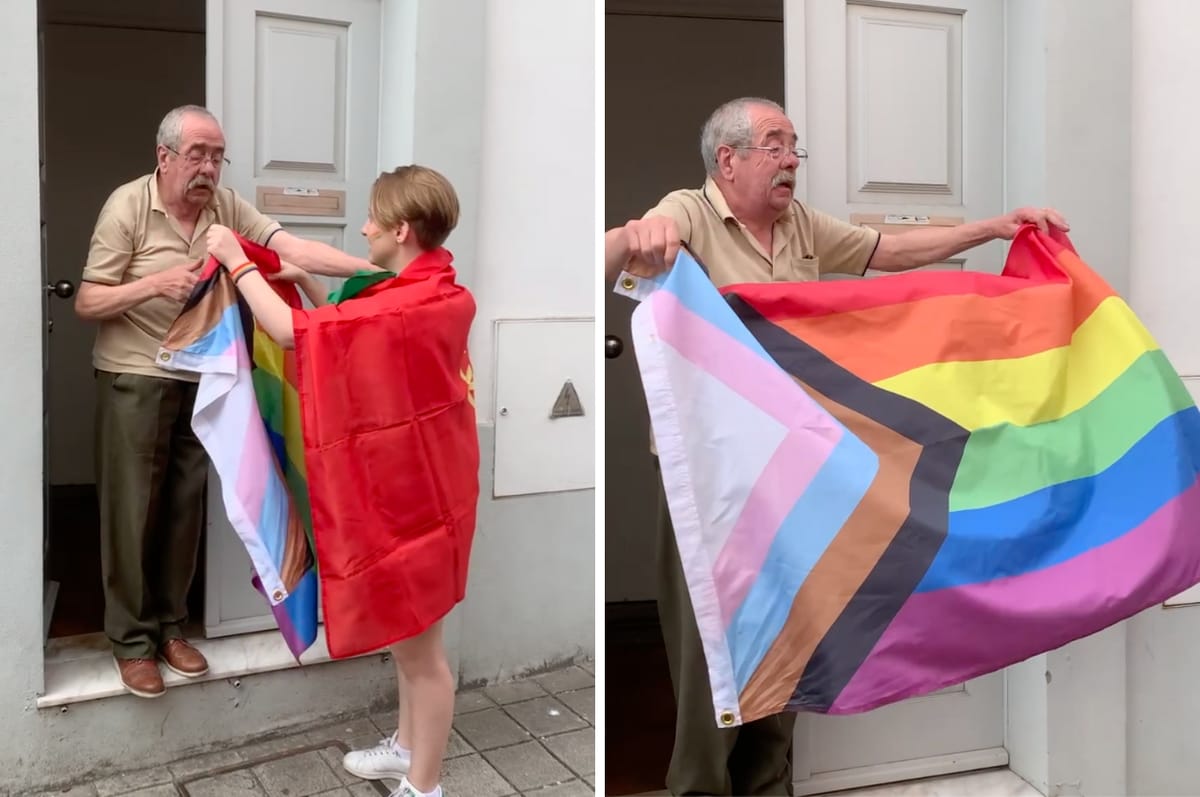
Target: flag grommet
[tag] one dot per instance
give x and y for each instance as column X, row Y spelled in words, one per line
column 629, row 283
column 727, row 718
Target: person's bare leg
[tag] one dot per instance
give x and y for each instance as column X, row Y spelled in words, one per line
column 429, row 701
column 404, row 725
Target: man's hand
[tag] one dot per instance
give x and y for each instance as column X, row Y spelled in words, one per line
column 644, row 247
column 177, row 283
column 1008, row 224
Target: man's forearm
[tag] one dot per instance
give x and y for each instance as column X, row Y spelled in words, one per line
column 330, row 262
column 922, row 246
column 316, row 257
column 97, row 302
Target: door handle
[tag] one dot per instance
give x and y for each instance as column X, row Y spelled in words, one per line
column 613, row 346
column 63, row 289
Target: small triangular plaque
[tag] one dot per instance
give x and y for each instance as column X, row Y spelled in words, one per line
column 567, row 405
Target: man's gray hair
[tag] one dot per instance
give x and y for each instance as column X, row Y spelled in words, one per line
column 170, row 130
column 729, row 126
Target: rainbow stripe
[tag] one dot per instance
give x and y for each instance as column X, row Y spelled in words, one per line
column 881, row 488
column 247, row 416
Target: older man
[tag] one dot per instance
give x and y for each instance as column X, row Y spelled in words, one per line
column 745, row 225
column 147, row 246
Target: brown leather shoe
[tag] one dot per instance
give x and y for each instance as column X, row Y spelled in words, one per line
column 183, row 659
column 141, row 677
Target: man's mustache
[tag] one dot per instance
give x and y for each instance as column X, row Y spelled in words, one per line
column 784, row 178
column 201, row 182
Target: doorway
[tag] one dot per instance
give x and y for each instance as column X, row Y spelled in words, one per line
column 108, row 74
column 652, row 72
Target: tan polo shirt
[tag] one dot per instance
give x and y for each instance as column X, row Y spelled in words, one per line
column 134, row 238
column 806, row 243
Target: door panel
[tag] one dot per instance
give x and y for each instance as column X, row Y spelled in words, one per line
column 902, row 109
column 295, row 84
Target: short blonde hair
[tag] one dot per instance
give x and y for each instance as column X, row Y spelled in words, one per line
column 420, row 196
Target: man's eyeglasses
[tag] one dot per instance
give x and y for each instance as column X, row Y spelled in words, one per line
column 193, row 159
column 777, row 151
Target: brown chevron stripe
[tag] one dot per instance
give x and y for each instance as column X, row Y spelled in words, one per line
column 845, row 565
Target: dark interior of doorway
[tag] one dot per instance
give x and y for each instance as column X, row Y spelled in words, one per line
column 639, row 706
column 73, row 561
column 109, row 73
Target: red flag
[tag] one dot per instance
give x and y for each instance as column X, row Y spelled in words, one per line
column 391, row 452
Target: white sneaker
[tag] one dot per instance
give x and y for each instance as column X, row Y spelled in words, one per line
column 383, row 760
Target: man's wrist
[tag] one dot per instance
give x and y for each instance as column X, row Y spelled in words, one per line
column 154, row 282
column 995, row 227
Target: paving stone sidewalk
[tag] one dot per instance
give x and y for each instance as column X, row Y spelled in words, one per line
column 529, row 737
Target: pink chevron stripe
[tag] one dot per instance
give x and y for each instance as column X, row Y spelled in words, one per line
column 812, row 436
column 938, row 638
column 255, row 467
column 743, row 371
column 784, row 479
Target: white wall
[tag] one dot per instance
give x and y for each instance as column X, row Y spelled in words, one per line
column 532, row 583
column 531, row 595
column 537, row 223
column 21, row 306
column 436, row 120
column 1163, row 655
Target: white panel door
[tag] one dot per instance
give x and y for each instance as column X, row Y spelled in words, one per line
column 295, row 84
column 900, row 107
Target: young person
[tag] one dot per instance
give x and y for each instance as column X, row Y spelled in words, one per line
column 387, row 403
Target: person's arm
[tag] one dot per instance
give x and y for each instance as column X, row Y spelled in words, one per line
column 644, row 247
column 272, row 313
column 310, row 285
column 922, row 246
column 99, row 302
column 314, row 290
column 316, row 257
